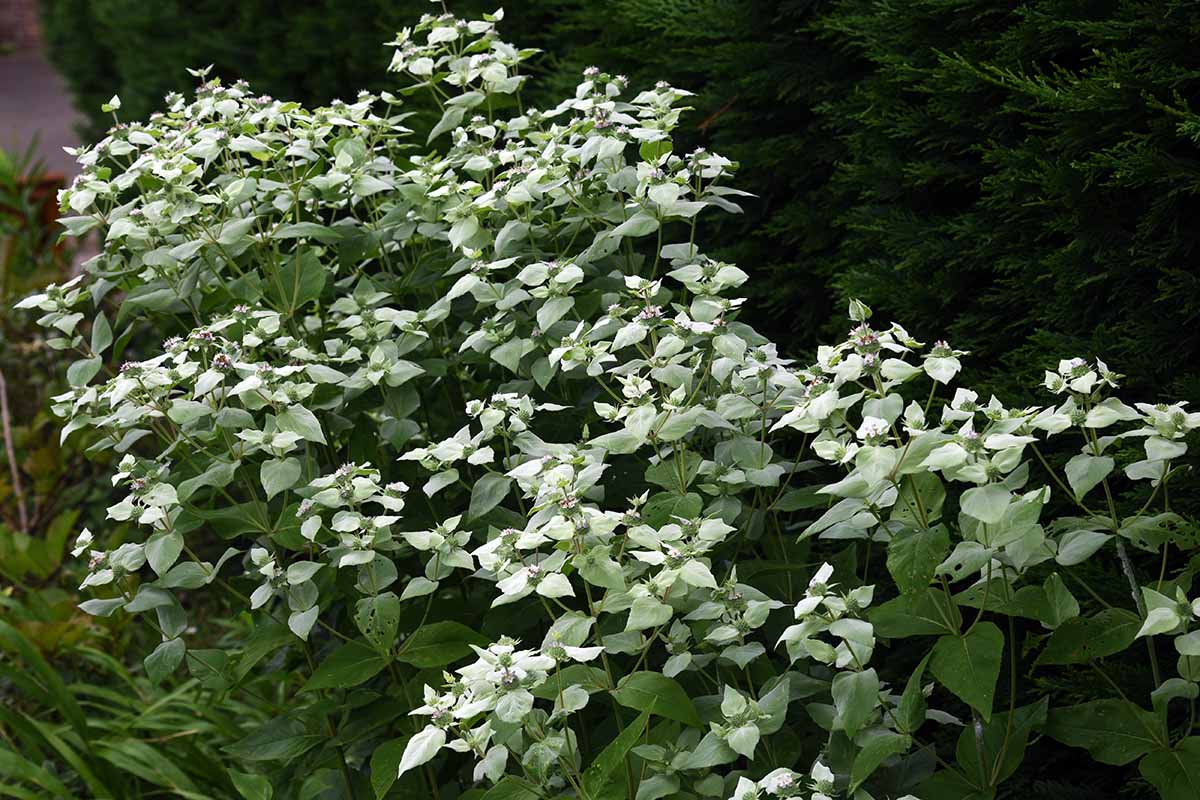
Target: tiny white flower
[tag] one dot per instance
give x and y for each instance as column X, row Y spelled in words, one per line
column 873, row 429
column 82, row 543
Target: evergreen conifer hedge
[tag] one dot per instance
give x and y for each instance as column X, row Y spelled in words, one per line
column 1018, row 173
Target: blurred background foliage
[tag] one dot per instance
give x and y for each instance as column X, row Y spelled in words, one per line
column 1019, row 177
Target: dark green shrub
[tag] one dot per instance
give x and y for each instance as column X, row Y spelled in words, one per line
column 1007, row 174
column 139, row 50
column 1024, row 176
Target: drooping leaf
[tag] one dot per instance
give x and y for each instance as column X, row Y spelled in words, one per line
column 711, row 752
column 910, row 713
column 349, row 665
column 855, row 695
column 1113, row 731
column 639, row 224
column 421, row 748
column 165, row 659
column 965, row 560
column 913, row 556
column 487, row 493
column 873, row 752
column 986, row 503
column 654, row 692
column 1175, row 772
column 598, row 774
column 438, row 644
column 162, row 550
column 969, row 665
column 1083, row 639
column 378, row 618
column 385, row 764
column 299, row 420
column 82, row 371
column 1084, row 472
column 278, row 474
column 1077, row 546
column 280, row 739
column 252, row 787
column 102, row 334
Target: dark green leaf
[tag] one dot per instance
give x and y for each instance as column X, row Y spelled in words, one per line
column 385, row 762
column 948, row 785
column 298, row 282
column 252, row 787
column 913, row 557
column 613, row 756
column 1175, row 773
column 666, row 473
column 509, row 788
column 165, row 659
column 910, row 714
column 872, row 754
column 652, row 151
column 210, row 667
column 145, row 761
column 658, row 694
column 280, row 739
column 922, row 614
column 439, row 644
column 349, row 665
column 1113, row 731
column 1003, row 745
column 307, row 230
column 662, row 507
column 591, row 679
column 921, row 492
column 1083, row 639
column 378, row 618
column 855, row 695
column 970, row 665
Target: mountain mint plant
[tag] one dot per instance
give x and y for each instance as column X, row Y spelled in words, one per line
column 506, row 499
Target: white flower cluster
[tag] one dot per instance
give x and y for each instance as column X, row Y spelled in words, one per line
column 825, row 611
column 486, row 706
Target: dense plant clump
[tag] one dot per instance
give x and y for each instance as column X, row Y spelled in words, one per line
column 507, row 500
